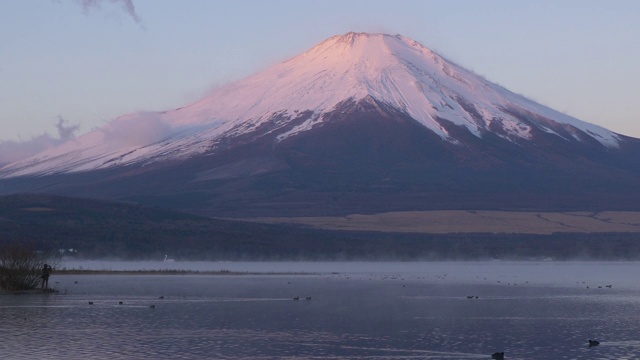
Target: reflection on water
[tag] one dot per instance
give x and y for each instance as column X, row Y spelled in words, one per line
column 428, row 313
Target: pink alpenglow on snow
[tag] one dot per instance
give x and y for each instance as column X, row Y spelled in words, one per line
column 390, row 69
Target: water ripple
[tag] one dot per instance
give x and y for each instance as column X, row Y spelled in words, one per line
column 248, row 318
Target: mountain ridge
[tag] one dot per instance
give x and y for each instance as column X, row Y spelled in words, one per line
column 390, row 69
column 393, row 127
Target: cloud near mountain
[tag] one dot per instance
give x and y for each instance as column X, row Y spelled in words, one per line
column 125, row 132
column 12, row 151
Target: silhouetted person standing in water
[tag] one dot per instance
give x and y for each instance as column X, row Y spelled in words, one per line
column 46, row 271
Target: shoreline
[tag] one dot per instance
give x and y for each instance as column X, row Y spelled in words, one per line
column 168, row 272
column 174, row 272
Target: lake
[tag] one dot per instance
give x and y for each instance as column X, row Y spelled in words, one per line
column 419, row 310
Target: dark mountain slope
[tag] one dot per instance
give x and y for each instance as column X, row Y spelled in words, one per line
column 371, row 158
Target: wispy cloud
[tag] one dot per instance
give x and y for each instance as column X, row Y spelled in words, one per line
column 66, row 132
column 11, row 151
column 127, row 6
column 139, row 129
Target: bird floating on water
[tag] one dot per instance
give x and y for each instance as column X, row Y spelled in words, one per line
column 498, row 356
column 593, row 343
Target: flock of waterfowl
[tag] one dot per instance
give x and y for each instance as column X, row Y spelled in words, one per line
column 152, row 306
column 494, row 356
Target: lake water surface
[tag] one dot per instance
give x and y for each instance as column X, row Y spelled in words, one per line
column 545, row 310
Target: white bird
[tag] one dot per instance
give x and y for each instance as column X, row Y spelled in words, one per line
column 168, row 260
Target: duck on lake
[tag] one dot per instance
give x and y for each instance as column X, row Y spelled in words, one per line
column 593, row 343
column 498, row 356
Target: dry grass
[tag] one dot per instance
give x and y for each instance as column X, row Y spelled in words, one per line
column 458, row 221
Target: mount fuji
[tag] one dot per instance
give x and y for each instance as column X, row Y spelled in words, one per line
column 359, row 123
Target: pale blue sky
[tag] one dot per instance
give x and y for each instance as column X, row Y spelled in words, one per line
column 90, row 65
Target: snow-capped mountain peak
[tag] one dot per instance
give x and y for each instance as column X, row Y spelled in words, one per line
column 294, row 96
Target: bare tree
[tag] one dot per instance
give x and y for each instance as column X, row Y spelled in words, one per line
column 21, row 266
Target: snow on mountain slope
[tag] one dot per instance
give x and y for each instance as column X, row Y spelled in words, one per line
column 390, row 69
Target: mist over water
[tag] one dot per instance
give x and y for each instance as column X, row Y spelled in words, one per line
column 416, row 310
column 622, row 273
